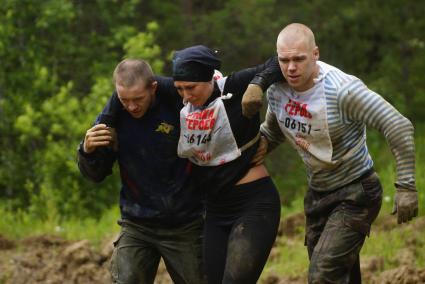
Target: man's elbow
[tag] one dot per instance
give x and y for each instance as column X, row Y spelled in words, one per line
column 92, row 176
column 407, row 126
column 97, row 179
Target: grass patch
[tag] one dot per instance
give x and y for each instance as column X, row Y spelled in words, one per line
column 390, row 242
column 296, row 206
column 291, row 259
column 21, row 224
column 94, row 230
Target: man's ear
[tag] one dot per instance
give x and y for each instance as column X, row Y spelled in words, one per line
column 154, row 85
column 316, row 53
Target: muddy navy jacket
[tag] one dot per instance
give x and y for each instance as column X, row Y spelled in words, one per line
column 155, row 182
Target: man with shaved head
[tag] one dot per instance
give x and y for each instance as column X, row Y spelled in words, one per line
column 296, row 42
column 323, row 112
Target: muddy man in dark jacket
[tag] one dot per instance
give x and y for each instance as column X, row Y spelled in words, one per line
column 161, row 209
column 160, row 200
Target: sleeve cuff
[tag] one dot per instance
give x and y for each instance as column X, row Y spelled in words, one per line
column 84, row 154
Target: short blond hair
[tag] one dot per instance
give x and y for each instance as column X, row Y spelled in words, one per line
column 130, row 72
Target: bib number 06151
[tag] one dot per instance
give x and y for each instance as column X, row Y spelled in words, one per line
column 296, row 125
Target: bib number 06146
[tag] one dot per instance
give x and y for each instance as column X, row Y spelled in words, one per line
column 198, row 139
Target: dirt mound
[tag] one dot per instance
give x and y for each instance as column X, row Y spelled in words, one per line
column 372, row 267
column 401, row 275
column 43, row 241
column 406, row 273
column 292, row 225
column 276, row 279
column 51, row 259
column 6, row 243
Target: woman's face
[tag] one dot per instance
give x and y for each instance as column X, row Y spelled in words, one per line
column 196, row 93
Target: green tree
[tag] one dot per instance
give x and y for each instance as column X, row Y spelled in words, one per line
column 53, row 83
column 57, row 58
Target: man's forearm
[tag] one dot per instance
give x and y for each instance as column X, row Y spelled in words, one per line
column 358, row 103
column 97, row 165
column 269, row 75
column 271, row 131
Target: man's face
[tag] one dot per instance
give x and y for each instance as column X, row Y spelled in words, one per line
column 136, row 99
column 196, row 93
column 298, row 64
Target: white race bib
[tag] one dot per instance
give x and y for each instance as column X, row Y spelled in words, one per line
column 302, row 118
column 206, row 137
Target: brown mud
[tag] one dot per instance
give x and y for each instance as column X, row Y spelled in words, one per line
column 53, row 260
column 373, row 270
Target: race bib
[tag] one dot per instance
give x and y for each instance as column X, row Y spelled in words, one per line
column 302, row 117
column 206, row 137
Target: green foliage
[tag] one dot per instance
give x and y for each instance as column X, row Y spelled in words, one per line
column 55, row 129
column 57, row 57
column 388, row 244
column 141, row 46
column 21, row 224
column 289, row 174
column 292, row 257
column 242, row 39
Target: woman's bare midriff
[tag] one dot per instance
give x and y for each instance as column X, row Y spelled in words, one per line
column 254, row 173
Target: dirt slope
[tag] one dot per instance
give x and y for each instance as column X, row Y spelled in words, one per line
column 51, row 259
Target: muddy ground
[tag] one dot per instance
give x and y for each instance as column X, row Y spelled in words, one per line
column 53, row 260
column 372, row 267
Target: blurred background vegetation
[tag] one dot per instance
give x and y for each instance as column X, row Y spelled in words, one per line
column 57, row 58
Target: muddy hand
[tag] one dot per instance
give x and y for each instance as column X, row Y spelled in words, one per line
column 252, row 100
column 405, row 205
column 98, row 136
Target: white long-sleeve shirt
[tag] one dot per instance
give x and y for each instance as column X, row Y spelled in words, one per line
column 327, row 126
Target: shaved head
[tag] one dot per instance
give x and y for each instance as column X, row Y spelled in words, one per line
column 298, row 33
column 298, row 54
